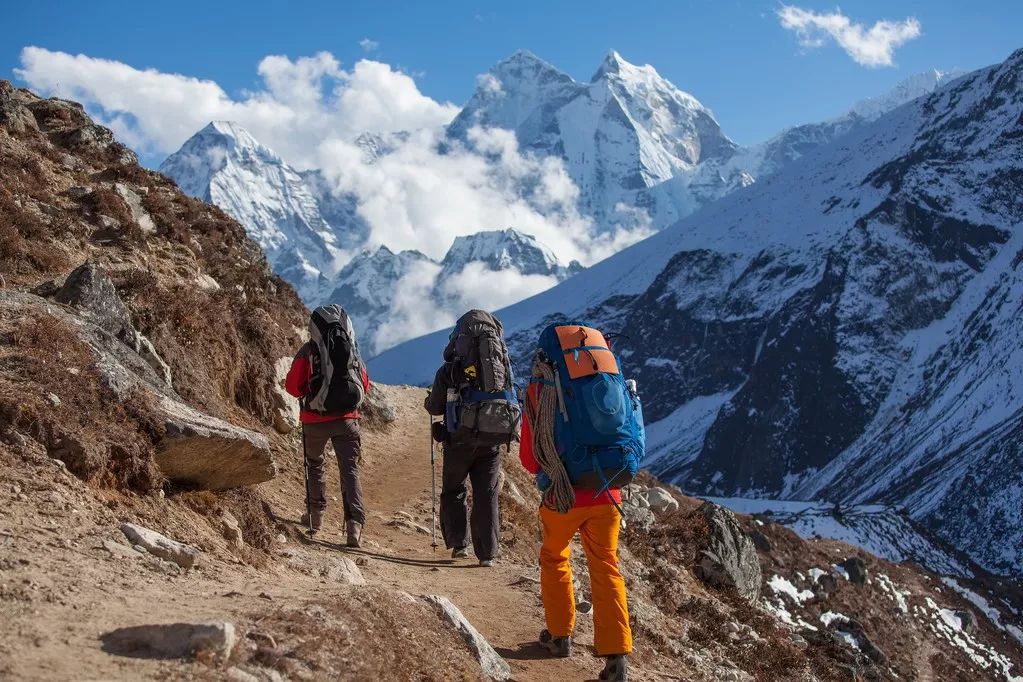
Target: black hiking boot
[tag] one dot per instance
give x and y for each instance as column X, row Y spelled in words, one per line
column 616, row 669
column 560, row 647
column 317, row 521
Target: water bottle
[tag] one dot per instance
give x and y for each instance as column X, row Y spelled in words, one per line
column 637, row 408
column 451, row 410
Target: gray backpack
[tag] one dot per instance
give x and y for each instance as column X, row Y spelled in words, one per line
column 488, row 412
column 336, row 383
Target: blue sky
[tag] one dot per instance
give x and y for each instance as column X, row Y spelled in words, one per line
column 733, row 56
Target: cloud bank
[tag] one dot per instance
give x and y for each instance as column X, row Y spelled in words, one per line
column 420, row 193
column 873, row 47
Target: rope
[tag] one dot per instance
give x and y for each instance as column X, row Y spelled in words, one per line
column 560, row 496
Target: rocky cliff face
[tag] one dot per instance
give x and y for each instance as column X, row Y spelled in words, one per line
column 140, row 327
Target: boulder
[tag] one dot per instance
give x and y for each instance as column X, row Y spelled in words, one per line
column 494, row 667
column 138, row 212
column 285, row 406
column 345, row 571
column 660, row 500
column 160, row 545
column 174, row 640
column 968, row 621
column 729, row 558
column 231, row 530
column 377, row 407
column 638, row 518
column 208, row 452
column 90, row 290
column 857, row 570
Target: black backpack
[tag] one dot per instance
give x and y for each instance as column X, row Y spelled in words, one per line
column 336, row 384
column 488, row 412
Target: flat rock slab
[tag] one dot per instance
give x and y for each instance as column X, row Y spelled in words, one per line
column 173, row 640
column 162, row 546
column 494, row 667
column 209, row 452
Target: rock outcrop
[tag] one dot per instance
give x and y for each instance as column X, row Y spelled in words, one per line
column 729, row 559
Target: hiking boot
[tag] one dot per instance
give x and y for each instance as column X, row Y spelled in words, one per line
column 486, row 563
column 317, row 520
column 460, row 553
column 561, row 647
column 354, row 533
column 616, row 669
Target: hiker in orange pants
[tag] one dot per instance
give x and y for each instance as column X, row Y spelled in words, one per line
column 595, row 517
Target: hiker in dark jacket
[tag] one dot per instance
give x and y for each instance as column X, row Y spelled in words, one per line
column 482, row 466
column 476, row 365
column 342, row 430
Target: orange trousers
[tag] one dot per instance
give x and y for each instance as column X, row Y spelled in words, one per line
column 598, row 528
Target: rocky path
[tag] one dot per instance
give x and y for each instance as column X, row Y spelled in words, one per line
column 67, row 575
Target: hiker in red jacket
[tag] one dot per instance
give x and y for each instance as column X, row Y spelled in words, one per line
column 343, row 431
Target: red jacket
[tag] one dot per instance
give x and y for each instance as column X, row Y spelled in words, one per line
column 297, row 384
column 583, row 497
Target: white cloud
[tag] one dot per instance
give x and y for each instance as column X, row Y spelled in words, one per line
column 417, row 195
column 369, row 45
column 302, row 101
column 873, row 47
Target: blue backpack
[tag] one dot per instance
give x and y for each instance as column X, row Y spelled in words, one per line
column 598, row 427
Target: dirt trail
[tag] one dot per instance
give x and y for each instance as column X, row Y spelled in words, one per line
column 60, row 590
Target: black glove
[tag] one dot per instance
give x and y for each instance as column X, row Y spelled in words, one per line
column 439, row 431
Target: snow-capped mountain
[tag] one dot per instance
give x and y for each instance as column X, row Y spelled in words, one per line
column 764, row 159
column 375, row 283
column 629, row 138
column 504, row 249
column 292, row 216
column 846, row 328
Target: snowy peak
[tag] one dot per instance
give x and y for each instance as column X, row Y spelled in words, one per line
column 905, row 91
column 280, row 208
column 503, row 249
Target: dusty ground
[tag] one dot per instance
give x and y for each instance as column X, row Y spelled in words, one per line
column 60, row 589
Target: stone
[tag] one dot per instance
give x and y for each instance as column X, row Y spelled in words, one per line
column 13, row 114
column 53, row 400
column 638, row 518
column 377, row 407
column 827, row 584
column 584, row 607
column 494, row 667
column 345, row 571
column 729, row 558
column 635, row 495
column 968, row 620
column 159, row 545
column 660, row 500
column 174, row 640
column 138, row 212
column 760, row 541
column 857, row 570
column 90, row 290
column 286, row 407
column 208, row 452
column 507, row 487
column 231, row 530
column 207, row 283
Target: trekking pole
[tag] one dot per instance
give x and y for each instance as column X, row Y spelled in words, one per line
column 433, row 488
column 308, row 501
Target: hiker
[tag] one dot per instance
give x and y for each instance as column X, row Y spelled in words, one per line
column 473, row 391
column 582, row 436
column 330, row 379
